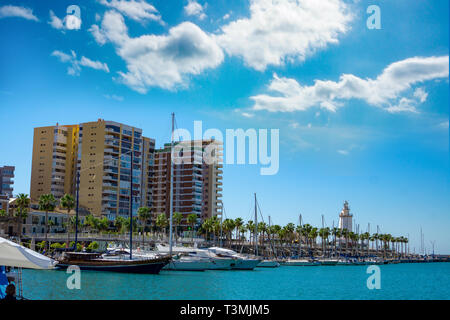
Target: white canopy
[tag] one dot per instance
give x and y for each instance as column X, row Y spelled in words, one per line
column 15, row 255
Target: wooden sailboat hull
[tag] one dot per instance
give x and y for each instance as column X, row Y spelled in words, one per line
column 148, row 266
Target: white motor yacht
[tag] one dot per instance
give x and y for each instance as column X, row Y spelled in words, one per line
column 269, row 263
column 215, row 262
column 243, row 262
column 301, row 263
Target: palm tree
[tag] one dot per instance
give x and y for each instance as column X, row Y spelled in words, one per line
column 242, row 231
column 251, row 228
column 177, row 218
column 161, row 221
column 227, row 227
column 313, row 236
column 290, row 228
column 324, row 233
column 262, row 228
column 67, row 202
column 238, row 222
column 143, row 216
column 192, row 220
column 22, row 203
column 47, row 202
column 119, row 222
column 305, row 232
column 336, row 232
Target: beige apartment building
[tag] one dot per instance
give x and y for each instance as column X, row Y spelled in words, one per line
column 113, row 160
column 54, row 161
column 197, row 186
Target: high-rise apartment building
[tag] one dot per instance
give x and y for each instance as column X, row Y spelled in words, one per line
column 6, row 180
column 196, row 184
column 112, row 158
column 54, row 161
column 6, row 186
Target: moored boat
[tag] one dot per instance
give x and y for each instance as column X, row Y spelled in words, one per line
column 300, row 263
column 100, row 262
column 242, row 262
column 269, row 263
column 328, row 262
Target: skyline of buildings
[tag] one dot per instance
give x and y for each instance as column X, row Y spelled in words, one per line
column 110, row 157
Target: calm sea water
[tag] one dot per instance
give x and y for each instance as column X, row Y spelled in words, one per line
column 398, row 281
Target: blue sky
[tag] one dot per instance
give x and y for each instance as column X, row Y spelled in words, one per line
column 377, row 136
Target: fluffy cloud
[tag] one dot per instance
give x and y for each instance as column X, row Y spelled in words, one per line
column 386, row 91
column 193, row 8
column 74, row 68
column 138, row 10
column 159, row 60
column 70, row 22
column 284, row 30
column 15, row 11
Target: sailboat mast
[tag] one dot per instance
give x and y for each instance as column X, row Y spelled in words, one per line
column 171, row 185
column 76, row 210
column 256, row 227
column 131, row 205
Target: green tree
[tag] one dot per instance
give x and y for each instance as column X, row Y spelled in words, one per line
column 119, row 223
column 324, row 233
column 177, row 218
column 238, row 222
column 192, row 220
column 228, row 227
column 144, row 215
column 23, row 204
column 47, row 202
column 162, row 221
column 67, row 202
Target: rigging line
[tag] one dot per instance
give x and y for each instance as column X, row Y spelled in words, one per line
column 260, row 212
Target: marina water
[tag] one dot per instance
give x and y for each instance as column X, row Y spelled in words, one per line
column 398, row 281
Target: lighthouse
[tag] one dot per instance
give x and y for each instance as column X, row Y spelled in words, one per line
column 345, row 218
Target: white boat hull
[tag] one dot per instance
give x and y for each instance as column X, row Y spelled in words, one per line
column 182, row 265
column 221, row 264
column 300, row 263
column 268, row 264
column 245, row 264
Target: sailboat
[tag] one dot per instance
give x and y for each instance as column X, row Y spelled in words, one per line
column 113, row 263
column 187, row 260
column 265, row 263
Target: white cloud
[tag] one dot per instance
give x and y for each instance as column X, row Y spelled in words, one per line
column 343, row 152
column 75, row 64
column 138, row 10
column 15, row 11
column 113, row 97
column 247, row 115
column 193, row 8
column 443, row 125
column 70, row 22
column 280, row 31
column 164, row 61
column 226, row 16
column 420, row 94
column 386, row 91
column 55, row 22
column 97, row 65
